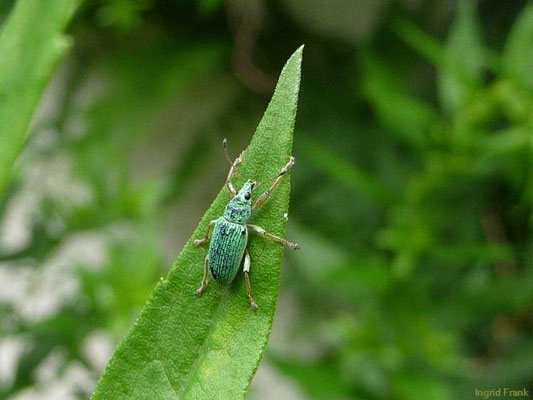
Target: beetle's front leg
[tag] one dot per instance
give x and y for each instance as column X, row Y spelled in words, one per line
column 246, row 270
column 199, row 242
column 257, row 229
column 264, row 197
column 205, row 279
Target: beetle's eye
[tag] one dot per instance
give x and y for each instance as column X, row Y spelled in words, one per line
column 247, row 195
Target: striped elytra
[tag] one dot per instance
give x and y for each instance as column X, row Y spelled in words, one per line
column 226, row 250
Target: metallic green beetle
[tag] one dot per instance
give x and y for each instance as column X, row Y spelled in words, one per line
column 230, row 237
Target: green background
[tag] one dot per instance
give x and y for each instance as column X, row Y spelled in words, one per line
column 411, row 195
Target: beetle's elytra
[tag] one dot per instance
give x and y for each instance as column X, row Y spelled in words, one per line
column 227, row 249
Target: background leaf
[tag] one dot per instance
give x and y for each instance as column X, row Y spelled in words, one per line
column 517, row 60
column 31, row 43
column 460, row 74
column 405, row 115
column 345, row 172
column 184, row 347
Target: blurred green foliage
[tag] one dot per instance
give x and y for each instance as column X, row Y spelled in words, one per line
column 411, row 198
column 31, row 43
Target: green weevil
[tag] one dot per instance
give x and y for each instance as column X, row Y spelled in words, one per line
column 227, row 250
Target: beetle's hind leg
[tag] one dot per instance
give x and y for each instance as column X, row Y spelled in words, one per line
column 260, row 231
column 205, row 280
column 246, row 269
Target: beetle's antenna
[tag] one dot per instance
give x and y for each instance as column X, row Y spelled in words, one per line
column 272, row 178
column 282, row 172
column 265, row 180
column 225, row 144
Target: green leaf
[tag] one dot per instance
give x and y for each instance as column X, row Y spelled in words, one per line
column 318, row 380
column 31, row 44
column 346, row 172
column 184, row 347
column 460, row 75
column 405, row 115
column 421, row 42
column 411, row 386
column 517, row 57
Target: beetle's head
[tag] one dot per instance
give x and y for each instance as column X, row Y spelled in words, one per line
column 239, row 207
column 244, row 195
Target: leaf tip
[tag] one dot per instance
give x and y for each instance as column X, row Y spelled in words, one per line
column 296, row 57
column 298, row 53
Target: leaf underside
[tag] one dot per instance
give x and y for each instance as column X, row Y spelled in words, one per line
column 183, row 347
column 31, row 44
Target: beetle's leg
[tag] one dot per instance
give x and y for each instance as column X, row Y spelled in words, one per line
column 199, row 242
column 264, row 197
column 257, row 229
column 205, row 280
column 232, row 169
column 246, row 269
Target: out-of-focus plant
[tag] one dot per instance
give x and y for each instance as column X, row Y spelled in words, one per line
column 31, row 44
column 439, row 299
